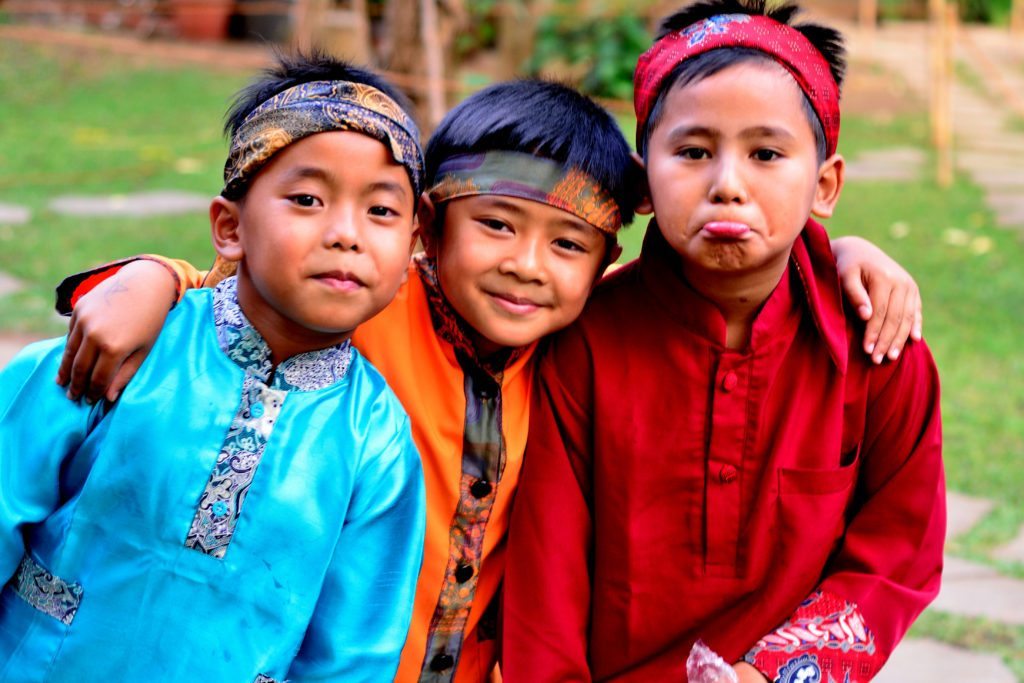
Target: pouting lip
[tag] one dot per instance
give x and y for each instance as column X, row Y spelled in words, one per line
column 726, row 229
column 340, row 275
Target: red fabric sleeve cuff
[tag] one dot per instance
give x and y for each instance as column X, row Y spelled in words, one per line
column 74, row 287
column 825, row 639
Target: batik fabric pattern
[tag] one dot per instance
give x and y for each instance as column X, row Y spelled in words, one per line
column 483, row 463
column 802, row 649
column 49, row 594
column 263, row 394
column 784, row 44
column 320, row 107
column 515, row 174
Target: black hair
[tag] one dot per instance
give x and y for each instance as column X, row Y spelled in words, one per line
column 545, row 119
column 827, row 41
column 304, row 67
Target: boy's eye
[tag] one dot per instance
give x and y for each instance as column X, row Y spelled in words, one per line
column 305, row 200
column 766, row 155
column 570, row 245
column 494, row 224
column 381, row 210
column 693, row 153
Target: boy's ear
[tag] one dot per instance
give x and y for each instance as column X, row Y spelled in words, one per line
column 831, row 176
column 426, row 230
column 643, row 191
column 225, row 220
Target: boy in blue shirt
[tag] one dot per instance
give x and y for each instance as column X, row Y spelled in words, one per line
column 252, row 509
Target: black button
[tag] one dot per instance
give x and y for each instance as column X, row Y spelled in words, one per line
column 441, row 661
column 463, row 573
column 480, row 488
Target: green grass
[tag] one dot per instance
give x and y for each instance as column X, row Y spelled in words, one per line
column 80, row 123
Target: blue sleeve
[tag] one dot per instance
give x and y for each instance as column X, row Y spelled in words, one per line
column 362, row 618
column 39, row 428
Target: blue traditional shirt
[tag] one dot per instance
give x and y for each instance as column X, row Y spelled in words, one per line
column 223, row 521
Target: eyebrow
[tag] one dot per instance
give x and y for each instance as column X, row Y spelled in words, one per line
column 680, row 133
column 317, row 173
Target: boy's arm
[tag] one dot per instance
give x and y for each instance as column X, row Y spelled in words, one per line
column 118, row 311
column 362, row 616
column 888, row 567
column 547, row 589
column 884, row 295
column 38, row 430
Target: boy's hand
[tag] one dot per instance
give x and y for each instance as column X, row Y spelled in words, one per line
column 112, row 329
column 748, row 674
column 884, row 294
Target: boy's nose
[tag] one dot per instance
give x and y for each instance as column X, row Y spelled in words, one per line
column 342, row 233
column 726, row 184
column 525, row 260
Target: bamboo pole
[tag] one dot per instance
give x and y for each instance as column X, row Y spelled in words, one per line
column 942, row 17
column 434, row 62
column 1017, row 18
column 867, row 14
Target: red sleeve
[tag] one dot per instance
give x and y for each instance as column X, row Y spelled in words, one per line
column 547, row 576
column 74, row 287
column 888, row 567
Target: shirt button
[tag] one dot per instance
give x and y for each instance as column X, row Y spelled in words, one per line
column 730, row 381
column 727, row 474
column 463, row 573
column 256, row 410
column 442, row 661
column 480, row 488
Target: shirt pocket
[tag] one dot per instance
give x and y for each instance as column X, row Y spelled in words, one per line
column 812, row 509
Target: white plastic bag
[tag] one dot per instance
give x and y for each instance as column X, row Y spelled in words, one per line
column 704, row 666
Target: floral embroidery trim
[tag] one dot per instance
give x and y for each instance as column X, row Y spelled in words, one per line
column 825, row 639
column 263, row 678
column 317, row 107
column 220, row 504
column 515, row 174
column 245, row 346
column 483, row 464
column 49, row 594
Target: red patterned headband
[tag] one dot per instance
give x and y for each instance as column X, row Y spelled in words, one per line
column 784, row 44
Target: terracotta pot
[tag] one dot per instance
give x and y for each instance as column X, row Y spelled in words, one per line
column 202, row 19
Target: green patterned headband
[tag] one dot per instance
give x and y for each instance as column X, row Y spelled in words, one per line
column 515, row 174
column 320, row 107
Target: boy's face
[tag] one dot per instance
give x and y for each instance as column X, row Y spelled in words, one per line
column 324, row 236
column 514, row 269
column 733, row 171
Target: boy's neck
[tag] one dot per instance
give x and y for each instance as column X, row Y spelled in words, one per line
column 738, row 296
column 284, row 337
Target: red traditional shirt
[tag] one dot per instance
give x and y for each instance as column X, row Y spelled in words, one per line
column 784, row 502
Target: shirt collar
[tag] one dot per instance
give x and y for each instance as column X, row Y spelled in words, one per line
column 246, row 347
column 811, row 279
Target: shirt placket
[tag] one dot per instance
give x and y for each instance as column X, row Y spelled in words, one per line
column 482, row 464
column 723, row 476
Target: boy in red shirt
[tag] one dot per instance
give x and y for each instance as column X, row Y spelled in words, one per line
column 710, row 456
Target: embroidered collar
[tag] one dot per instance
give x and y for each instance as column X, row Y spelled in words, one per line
column 450, row 326
column 247, row 348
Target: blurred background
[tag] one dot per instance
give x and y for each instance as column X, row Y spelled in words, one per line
column 110, row 145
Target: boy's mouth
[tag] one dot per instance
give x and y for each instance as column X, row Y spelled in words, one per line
column 340, row 280
column 514, row 304
column 725, row 230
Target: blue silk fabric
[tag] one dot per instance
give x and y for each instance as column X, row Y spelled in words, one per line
column 316, row 582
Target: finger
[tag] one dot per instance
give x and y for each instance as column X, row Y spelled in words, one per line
column 103, row 370
column 890, row 326
column 70, row 350
column 902, row 333
column 880, row 307
column 125, row 374
column 81, row 368
column 857, row 295
column 917, row 331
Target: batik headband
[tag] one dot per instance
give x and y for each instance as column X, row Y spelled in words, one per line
column 515, row 174
column 784, row 44
column 319, row 107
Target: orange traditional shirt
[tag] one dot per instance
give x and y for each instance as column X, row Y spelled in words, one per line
column 471, row 471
